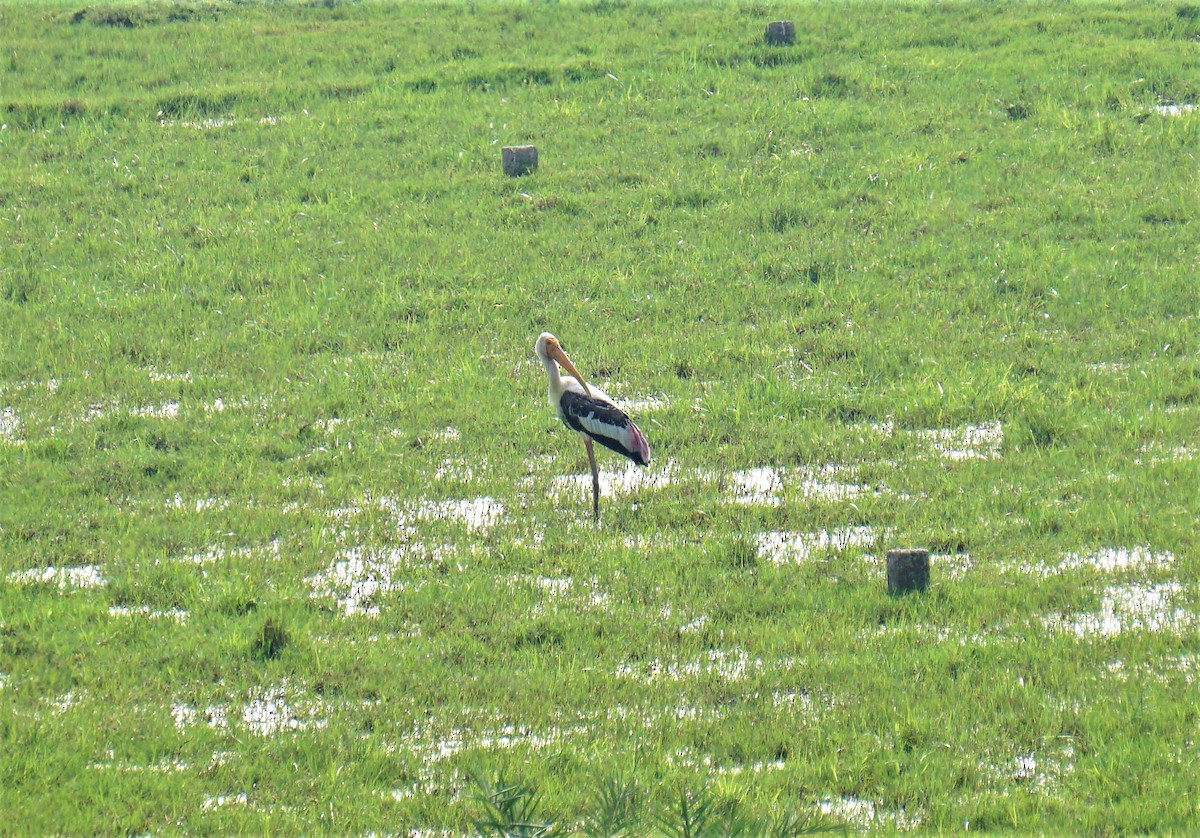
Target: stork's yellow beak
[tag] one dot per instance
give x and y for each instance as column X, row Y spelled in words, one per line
column 555, row 351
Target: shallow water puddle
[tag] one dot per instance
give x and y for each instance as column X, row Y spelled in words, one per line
column 1107, row 559
column 216, row 716
column 216, row 553
column 163, row 766
column 166, row 410
column 271, row 713
column 1125, row 608
column 215, row 123
column 84, row 576
column 764, row 485
column 407, row 630
column 458, row 470
column 630, row 479
column 781, row 547
column 10, row 425
column 63, row 702
column 157, row 376
column 645, row 404
column 357, row 577
column 447, row 434
column 218, row 801
column 561, row 589
column 1120, row 558
column 950, row 565
column 184, row 715
column 1043, row 773
column 994, row 635
column 49, row 385
column 756, row 485
column 478, row 514
column 177, row 615
column 728, row 664
column 1108, row 367
column 1185, row 666
column 969, row 442
column 867, row 814
column 1159, row 454
column 275, row 710
column 181, row 503
column 428, row 784
column 1040, row 772
column 435, row 748
column 1174, row 109
column 686, row 758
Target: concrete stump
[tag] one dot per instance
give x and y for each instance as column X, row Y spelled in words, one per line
column 781, row 32
column 907, row 570
column 519, row 159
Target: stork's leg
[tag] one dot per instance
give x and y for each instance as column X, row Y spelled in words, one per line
column 595, row 478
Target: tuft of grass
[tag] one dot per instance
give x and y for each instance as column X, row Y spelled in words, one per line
column 615, row 810
column 509, row 809
column 270, row 641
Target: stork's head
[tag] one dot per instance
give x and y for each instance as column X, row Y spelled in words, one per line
column 546, row 346
column 549, row 349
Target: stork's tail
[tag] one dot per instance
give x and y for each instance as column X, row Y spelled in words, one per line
column 639, row 448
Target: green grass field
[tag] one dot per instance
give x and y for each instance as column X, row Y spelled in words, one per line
column 290, row 540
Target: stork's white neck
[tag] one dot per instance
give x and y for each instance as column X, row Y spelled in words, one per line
column 554, row 391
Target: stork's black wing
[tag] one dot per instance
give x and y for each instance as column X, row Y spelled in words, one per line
column 607, row 424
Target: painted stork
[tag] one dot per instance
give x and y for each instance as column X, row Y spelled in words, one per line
column 589, row 411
